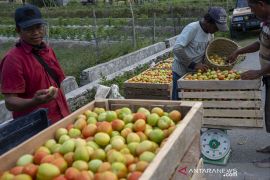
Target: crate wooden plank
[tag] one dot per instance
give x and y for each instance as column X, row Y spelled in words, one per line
column 190, row 160
column 218, row 84
column 232, row 104
column 145, row 96
column 194, row 151
column 134, row 96
column 174, row 149
column 232, row 122
column 165, row 163
column 134, row 104
column 233, row 113
column 187, row 175
column 136, row 93
column 147, row 91
column 146, row 85
column 222, row 94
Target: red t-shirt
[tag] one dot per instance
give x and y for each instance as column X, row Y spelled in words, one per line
column 22, row 74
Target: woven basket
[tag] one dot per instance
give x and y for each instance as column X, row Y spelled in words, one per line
column 222, row 47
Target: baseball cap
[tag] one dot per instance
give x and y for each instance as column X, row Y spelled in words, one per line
column 219, row 15
column 27, row 16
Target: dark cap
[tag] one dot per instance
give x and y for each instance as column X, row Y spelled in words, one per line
column 220, row 17
column 27, row 16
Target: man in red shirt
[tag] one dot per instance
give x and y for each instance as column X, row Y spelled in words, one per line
column 24, row 80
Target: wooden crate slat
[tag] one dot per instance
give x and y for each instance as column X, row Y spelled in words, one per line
column 146, row 85
column 233, row 113
column 190, row 160
column 222, row 94
column 218, row 84
column 232, row 104
column 134, row 104
column 229, row 122
column 147, row 91
column 134, row 96
column 146, row 102
column 144, row 96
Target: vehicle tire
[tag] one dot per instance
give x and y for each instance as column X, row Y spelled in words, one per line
column 232, row 33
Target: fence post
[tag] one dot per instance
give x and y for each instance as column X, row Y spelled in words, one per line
column 133, row 27
column 210, row 3
column 95, row 35
column 47, row 29
column 154, row 28
column 172, row 16
column 179, row 24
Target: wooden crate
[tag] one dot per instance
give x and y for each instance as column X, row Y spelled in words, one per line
column 231, row 103
column 166, row 161
column 147, row 91
column 141, row 90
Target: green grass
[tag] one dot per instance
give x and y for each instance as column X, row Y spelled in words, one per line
column 121, row 79
column 4, row 47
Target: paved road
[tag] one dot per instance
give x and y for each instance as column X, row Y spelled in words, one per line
column 243, row 155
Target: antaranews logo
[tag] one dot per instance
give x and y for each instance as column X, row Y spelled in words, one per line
column 225, row 172
column 183, row 170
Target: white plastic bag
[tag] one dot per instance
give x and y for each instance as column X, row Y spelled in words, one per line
column 112, row 92
column 152, row 64
column 115, row 94
column 102, row 92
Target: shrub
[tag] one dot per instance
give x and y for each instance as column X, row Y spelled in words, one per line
column 46, row 3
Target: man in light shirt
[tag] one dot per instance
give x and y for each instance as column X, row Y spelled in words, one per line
column 190, row 45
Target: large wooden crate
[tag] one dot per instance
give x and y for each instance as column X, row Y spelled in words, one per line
column 147, row 91
column 226, row 103
column 140, row 90
column 167, row 159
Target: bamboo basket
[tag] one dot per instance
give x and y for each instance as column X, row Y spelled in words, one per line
column 222, row 47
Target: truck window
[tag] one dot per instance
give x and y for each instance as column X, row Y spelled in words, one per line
column 241, row 3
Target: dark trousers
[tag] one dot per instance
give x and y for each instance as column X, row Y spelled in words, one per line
column 266, row 82
column 174, row 90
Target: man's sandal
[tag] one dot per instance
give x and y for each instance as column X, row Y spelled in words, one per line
column 265, row 163
column 264, row 149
